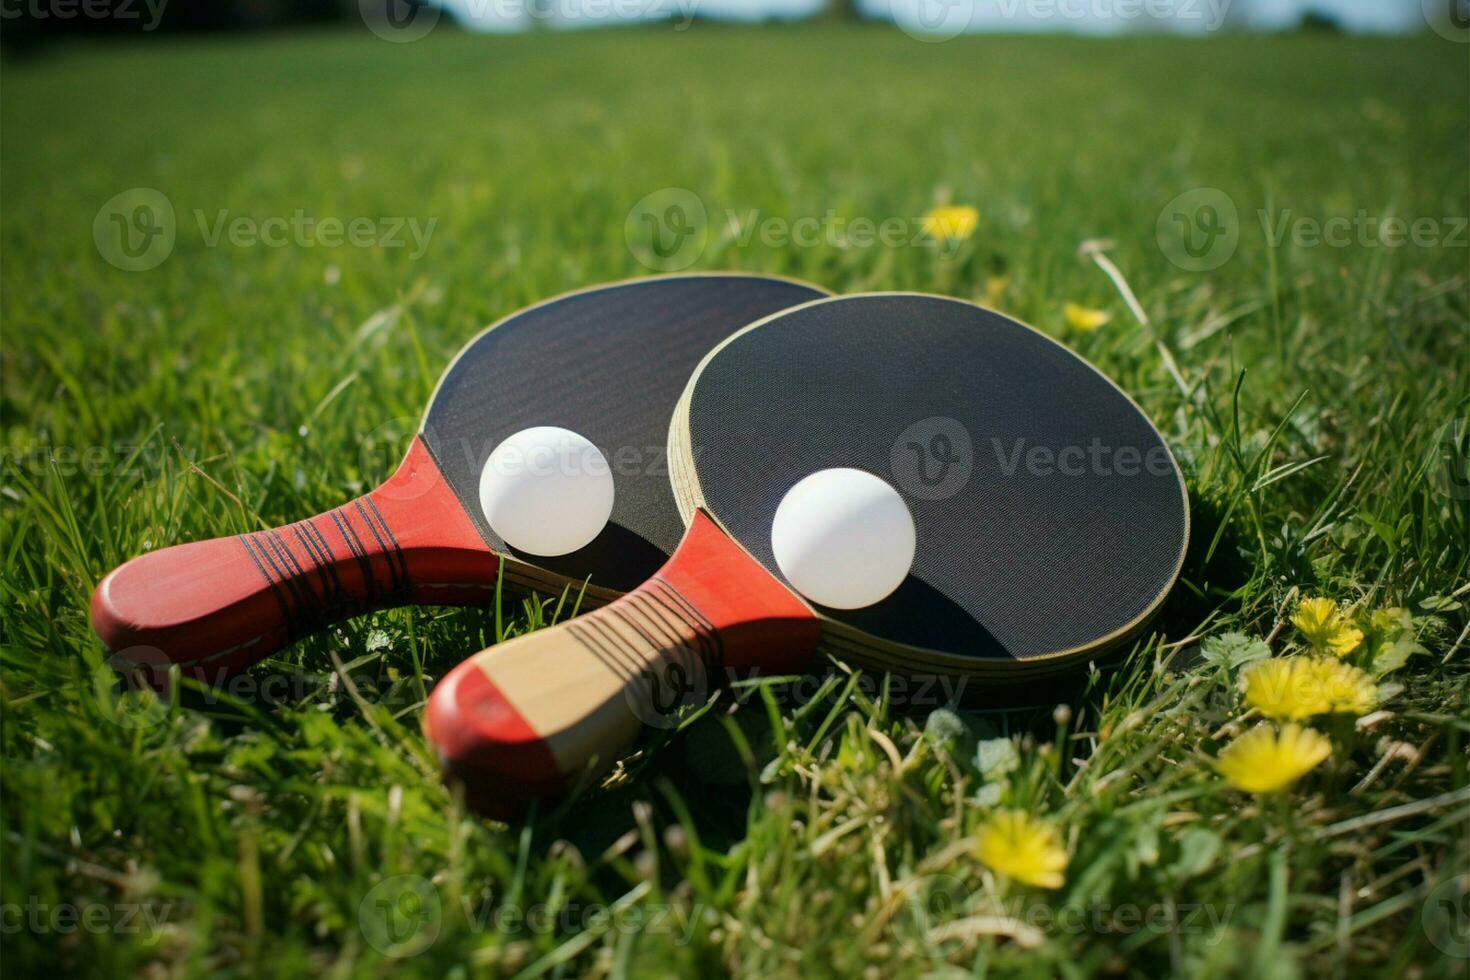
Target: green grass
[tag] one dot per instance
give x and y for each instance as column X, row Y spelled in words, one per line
column 235, row 386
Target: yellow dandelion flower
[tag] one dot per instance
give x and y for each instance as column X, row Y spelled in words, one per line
column 1023, row 848
column 953, row 222
column 1345, row 687
column 1084, row 319
column 1382, row 622
column 1326, row 627
column 1295, row 688
column 1284, row 689
column 1314, row 616
column 1345, row 640
column 1264, row 760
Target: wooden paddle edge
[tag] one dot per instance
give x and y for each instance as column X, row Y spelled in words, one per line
column 601, row 287
column 866, row 650
column 521, row 576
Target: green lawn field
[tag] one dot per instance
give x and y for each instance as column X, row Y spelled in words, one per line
column 1290, row 215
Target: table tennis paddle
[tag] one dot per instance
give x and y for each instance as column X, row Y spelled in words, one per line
column 608, row 362
column 1023, row 567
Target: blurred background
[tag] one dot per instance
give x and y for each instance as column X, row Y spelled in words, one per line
column 31, row 22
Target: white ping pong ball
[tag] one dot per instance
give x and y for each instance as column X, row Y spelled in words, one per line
column 546, row 490
column 843, row 538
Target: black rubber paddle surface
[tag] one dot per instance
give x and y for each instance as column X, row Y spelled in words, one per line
column 609, row 363
column 1050, row 515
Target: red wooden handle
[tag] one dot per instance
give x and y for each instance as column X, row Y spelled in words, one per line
column 218, row 606
column 522, row 719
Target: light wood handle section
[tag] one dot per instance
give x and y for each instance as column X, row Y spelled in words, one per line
column 522, row 719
